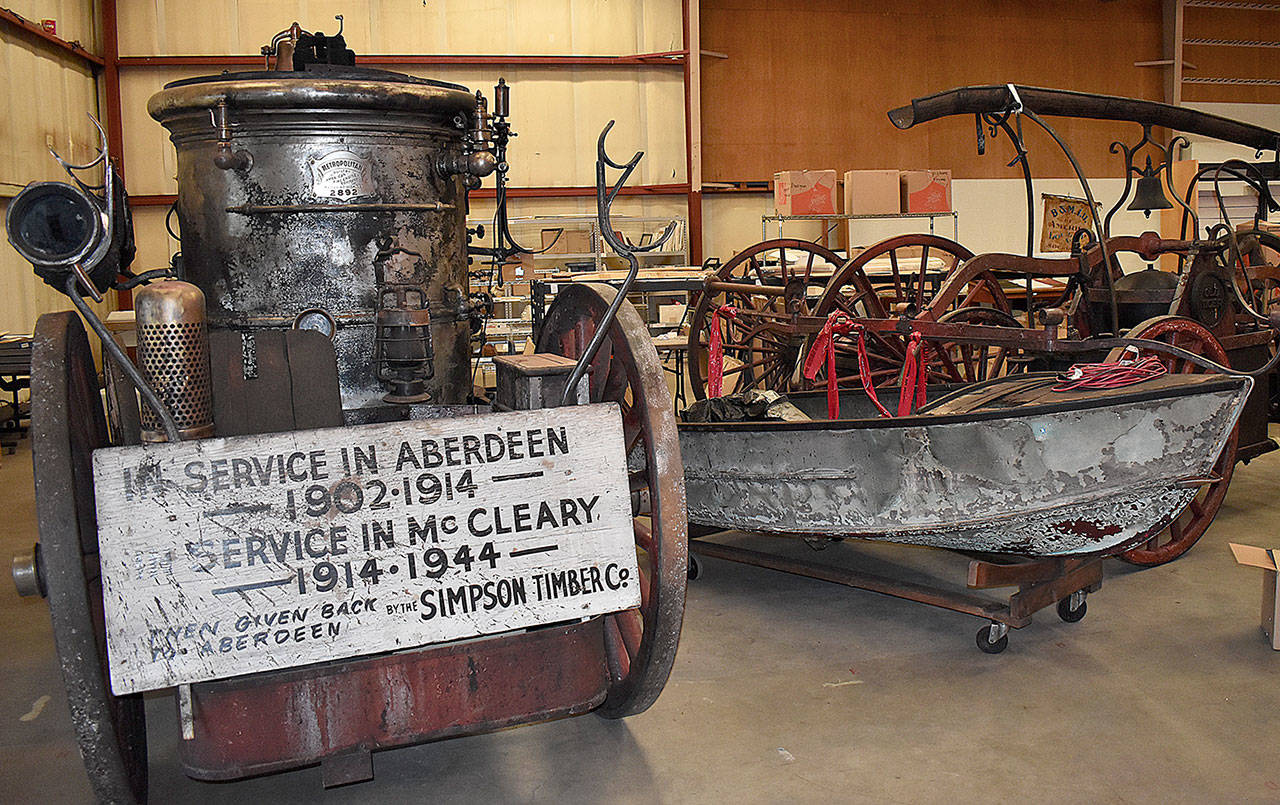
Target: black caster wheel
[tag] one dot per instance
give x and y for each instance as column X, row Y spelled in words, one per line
column 994, row 638
column 695, row 567
column 1072, row 610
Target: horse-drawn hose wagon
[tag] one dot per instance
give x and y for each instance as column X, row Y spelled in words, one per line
column 918, row 316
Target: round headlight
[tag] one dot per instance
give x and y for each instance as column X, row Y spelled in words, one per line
column 52, row 223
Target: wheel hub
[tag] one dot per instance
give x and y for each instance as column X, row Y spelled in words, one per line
column 27, row 575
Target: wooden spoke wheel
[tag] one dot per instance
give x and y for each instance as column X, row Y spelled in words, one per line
column 760, row 348
column 1171, row 541
column 907, row 270
column 1264, row 288
column 640, row 643
column 1259, row 279
column 973, row 363
column 903, row 274
column 67, row 424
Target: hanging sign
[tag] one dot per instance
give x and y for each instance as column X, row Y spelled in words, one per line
column 1064, row 216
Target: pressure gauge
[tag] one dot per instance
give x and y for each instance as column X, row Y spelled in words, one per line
column 318, row 319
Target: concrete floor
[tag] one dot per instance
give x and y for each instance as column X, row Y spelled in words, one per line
column 787, row 689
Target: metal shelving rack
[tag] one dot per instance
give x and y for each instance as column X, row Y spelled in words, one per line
column 528, row 231
column 510, row 327
column 1177, row 39
column 781, row 220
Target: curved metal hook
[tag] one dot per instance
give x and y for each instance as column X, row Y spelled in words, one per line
column 1103, row 232
column 102, row 152
column 1178, row 141
column 605, row 194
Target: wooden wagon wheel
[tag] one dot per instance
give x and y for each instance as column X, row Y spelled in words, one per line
column 972, row 363
column 908, row 284
column 1259, row 281
column 759, row 351
column 640, row 643
column 1262, row 286
column 67, row 424
column 1169, row 542
column 908, row 281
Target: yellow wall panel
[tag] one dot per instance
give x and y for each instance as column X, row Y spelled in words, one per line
column 77, row 20
column 558, row 112
column 539, row 27
column 45, row 98
column 148, row 154
column 641, row 206
column 155, row 247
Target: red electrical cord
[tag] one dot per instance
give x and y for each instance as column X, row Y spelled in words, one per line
column 1128, row 371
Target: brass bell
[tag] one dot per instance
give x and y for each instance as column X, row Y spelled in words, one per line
column 1149, row 194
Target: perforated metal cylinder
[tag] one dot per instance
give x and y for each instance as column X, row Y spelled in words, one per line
column 173, row 353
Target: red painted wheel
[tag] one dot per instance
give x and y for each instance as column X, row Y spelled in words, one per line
column 67, row 425
column 972, row 363
column 907, row 269
column 640, row 643
column 778, row 279
column 1166, row 543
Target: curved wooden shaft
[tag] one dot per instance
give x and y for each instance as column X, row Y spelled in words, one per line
column 1148, row 245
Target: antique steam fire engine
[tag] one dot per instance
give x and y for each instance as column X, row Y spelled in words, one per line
column 308, row 513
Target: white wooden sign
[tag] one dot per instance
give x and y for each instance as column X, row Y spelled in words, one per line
column 223, row 557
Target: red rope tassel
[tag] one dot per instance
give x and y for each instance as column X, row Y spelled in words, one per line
column 715, row 360
column 911, row 395
column 824, row 351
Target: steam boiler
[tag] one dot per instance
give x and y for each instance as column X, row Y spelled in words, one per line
column 313, row 196
column 290, row 511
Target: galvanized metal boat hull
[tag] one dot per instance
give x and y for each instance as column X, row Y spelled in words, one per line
column 1085, row 475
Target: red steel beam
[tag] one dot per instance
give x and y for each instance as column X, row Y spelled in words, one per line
column 693, row 199
column 114, row 111
column 111, row 81
column 667, row 58
column 25, row 27
column 568, row 192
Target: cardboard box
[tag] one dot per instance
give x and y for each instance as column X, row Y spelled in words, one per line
column 925, row 191
column 566, row 241
column 872, row 192
column 804, row 192
column 521, row 289
column 515, row 272
column 671, row 314
column 1252, row 556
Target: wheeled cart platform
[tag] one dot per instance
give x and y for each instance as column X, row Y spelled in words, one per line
column 1040, row 583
